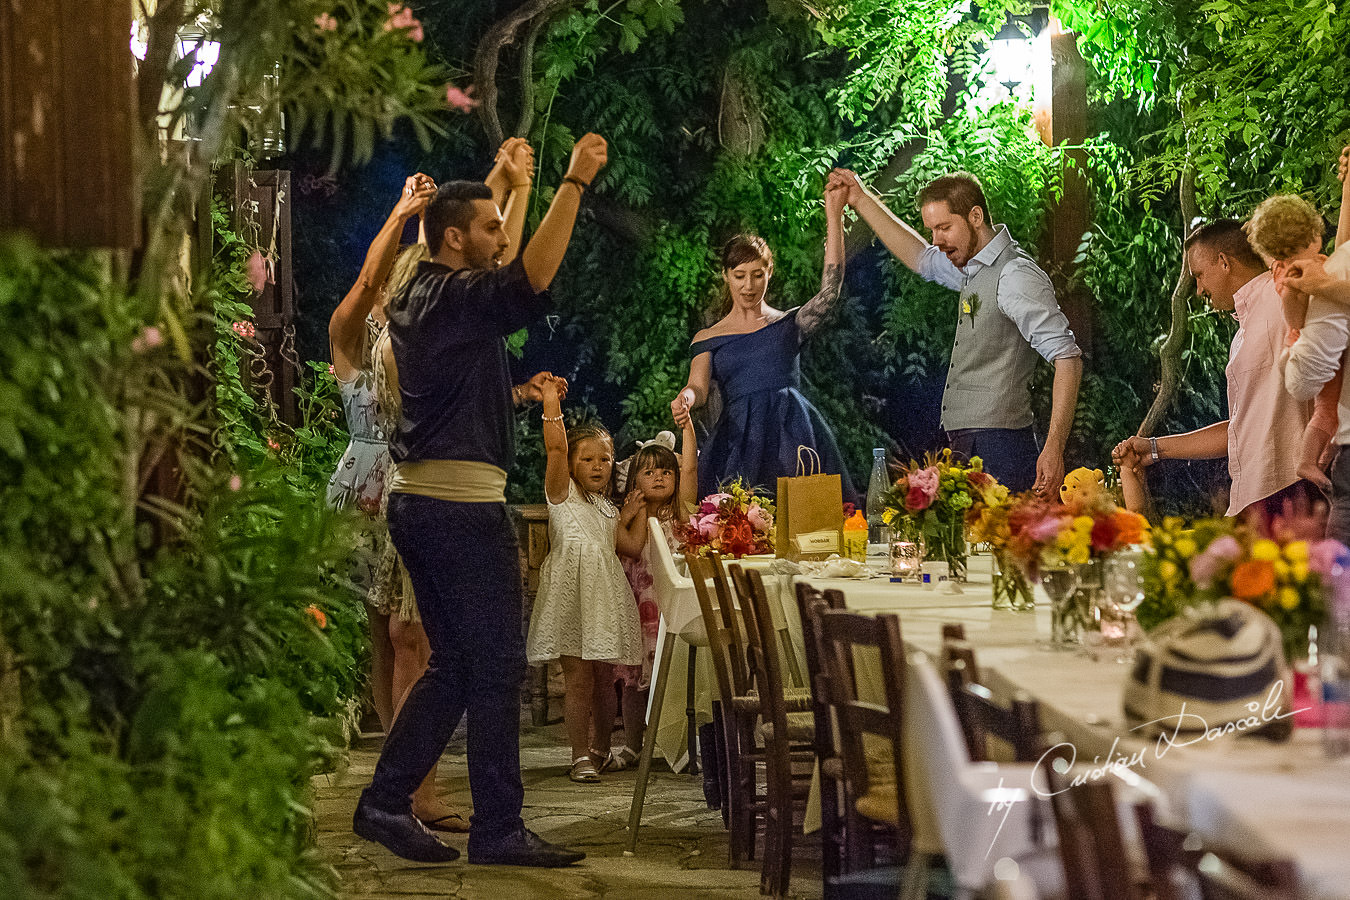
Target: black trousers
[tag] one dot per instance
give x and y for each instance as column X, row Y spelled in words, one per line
column 1009, row 454
column 463, row 562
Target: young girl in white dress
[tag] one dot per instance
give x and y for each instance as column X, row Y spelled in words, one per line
column 584, row 613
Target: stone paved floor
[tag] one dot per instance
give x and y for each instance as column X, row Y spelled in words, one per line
column 682, row 852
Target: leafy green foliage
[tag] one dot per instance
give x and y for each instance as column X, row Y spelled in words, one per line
column 175, row 607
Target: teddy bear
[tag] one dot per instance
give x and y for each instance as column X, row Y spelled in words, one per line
column 1082, row 487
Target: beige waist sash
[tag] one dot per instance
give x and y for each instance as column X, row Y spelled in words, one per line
column 456, row 480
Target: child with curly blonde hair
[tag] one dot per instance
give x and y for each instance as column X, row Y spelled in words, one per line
column 1286, row 230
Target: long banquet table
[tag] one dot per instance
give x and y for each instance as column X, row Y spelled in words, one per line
column 1283, row 799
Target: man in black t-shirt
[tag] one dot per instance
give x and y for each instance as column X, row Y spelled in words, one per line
column 448, row 518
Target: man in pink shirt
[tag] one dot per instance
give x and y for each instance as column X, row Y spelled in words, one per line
column 1262, row 436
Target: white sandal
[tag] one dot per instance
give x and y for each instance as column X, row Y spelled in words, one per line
column 622, row 758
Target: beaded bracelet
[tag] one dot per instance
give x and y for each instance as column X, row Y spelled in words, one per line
column 557, row 418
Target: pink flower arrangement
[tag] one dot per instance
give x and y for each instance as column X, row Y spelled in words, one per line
column 401, row 17
column 735, row 522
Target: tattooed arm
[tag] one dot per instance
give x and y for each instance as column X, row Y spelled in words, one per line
column 819, row 307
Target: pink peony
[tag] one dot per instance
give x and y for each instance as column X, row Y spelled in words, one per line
column 1205, row 568
column 1046, row 529
column 925, row 480
column 712, row 503
column 325, row 22
column 760, row 520
column 707, row 525
column 460, row 100
column 917, row 499
column 1225, row 548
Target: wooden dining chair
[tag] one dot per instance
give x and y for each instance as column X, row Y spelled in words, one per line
column 1091, row 844
column 870, row 727
column 1179, row 864
column 835, row 808
column 735, row 703
column 1018, row 724
column 779, row 732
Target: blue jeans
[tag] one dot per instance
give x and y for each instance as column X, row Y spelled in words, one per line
column 464, row 565
column 1009, row 454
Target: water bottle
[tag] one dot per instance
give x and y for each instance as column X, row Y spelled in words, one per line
column 1333, row 662
column 878, row 532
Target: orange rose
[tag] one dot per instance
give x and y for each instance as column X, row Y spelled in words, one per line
column 1253, row 578
column 320, row 618
column 1131, row 525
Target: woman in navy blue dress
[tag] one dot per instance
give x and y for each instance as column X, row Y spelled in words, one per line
column 753, row 354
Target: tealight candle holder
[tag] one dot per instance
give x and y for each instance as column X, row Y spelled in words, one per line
column 906, row 560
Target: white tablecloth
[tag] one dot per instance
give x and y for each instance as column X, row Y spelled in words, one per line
column 1285, row 799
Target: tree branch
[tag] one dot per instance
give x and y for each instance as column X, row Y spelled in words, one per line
column 536, row 27
column 1170, row 378
column 488, row 55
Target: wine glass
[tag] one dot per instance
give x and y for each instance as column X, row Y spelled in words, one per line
column 1123, row 591
column 1061, row 583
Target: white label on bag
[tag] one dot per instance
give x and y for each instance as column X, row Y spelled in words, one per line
column 817, row 542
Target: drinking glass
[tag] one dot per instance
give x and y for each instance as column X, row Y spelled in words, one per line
column 1122, row 592
column 1061, row 583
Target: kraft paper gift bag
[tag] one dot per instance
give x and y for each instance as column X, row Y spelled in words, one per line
column 810, row 522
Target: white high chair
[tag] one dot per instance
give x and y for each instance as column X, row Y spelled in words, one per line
column 682, row 620
column 980, row 813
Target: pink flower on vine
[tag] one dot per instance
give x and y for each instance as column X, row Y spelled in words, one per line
column 149, row 338
column 243, row 329
column 236, row 482
column 331, row 370
column 274, row 444
column 325, row 22
column 460, row 100
column 401, row 16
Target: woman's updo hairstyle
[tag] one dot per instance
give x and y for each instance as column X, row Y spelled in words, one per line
column 738, row 251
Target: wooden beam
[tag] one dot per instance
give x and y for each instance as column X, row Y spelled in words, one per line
column 67, row 122
column 1064, row 121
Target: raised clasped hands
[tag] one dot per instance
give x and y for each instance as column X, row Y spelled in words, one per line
column 417, row 193
column 680, row 407
column 542, row 386
column 516, row 157
column 1132, row 453
column 589, row 155
column 847, row 180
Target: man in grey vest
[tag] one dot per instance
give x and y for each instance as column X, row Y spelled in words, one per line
column 1007, row 314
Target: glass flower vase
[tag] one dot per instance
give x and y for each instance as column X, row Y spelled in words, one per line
column 1012, row 590
column 946, row 542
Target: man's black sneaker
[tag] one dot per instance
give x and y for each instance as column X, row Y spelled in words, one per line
column 524, row 848
column 401, row 834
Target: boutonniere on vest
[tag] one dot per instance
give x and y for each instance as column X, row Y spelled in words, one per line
column 970, row 306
